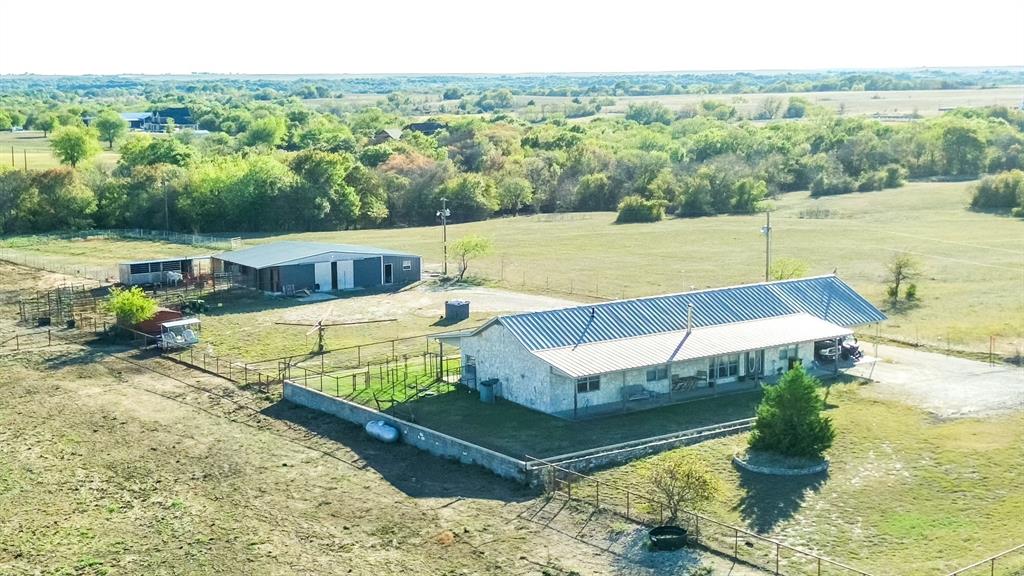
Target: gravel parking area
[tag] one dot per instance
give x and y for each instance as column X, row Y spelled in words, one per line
column 946, row 386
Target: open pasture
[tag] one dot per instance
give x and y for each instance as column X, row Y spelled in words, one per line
column 970, row 293
column 32, row 148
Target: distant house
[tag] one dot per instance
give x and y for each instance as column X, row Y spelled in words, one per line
column 157, row 121
column 646, row 352
column 291, row 266
column 386, row 135
column 136, row 120
column 428, row 128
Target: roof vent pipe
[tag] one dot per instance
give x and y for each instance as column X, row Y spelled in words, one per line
column 689, row 318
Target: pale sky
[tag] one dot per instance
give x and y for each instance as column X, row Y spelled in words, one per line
column 399, row 36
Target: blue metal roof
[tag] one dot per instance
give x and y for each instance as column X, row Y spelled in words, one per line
column 825, row 297
column 284, row 252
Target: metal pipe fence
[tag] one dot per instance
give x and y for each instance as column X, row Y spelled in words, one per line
column 1007, row 563
column 239, row 372
column 731, row 541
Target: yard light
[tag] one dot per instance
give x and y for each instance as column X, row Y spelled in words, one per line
column 444, row 213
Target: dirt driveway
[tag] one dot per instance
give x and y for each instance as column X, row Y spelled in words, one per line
column 946, row 386
column 424, row 300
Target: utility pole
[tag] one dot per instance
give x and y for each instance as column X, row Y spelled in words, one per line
column 444, row 213
column 767, row 231
column 167, row 218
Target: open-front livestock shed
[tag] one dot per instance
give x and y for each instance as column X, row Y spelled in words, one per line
column 624, row 354
column 163, row 270
column 287, row 267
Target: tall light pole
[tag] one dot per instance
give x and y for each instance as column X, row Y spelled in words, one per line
column 444, row 213
column 767, row 231
column 167, row 217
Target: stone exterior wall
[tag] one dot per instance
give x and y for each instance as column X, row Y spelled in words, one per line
column 525, row 379
column 531, row 382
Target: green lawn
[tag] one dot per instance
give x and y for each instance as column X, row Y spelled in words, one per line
column 906, row 493
column 517, row 431
column 30, row 146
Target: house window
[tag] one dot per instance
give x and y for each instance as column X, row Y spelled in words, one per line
column 659, row 373
column 406, row 264
column 588, row 384
column 722, row 367
column 787, row 352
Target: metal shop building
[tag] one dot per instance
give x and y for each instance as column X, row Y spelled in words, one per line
column 645, row 352
column 287, row 267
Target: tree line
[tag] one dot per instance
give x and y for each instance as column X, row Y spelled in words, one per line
column 283, row 166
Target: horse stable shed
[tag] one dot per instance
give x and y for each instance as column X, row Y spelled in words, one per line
column 288, row 267
column 163, row 270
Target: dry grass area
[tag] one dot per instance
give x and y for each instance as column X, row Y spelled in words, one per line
column 116, row 463
column 906, row 493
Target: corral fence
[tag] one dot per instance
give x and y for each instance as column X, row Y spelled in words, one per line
column 734, row 542
column 384, row 385
column 242, row 373
column 1007, row 563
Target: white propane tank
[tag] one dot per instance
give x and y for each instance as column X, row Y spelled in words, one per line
column 382, row 431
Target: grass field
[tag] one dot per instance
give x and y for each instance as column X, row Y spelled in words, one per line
column 905, row 493
column 31, row 148
column 972, row 287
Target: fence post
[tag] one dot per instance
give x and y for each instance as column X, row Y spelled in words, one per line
column 49, row 338
column 597, row 496
column 736, row 543
column 776, row 559
column 246, row 367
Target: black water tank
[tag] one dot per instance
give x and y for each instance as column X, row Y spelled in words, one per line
column 456, row 310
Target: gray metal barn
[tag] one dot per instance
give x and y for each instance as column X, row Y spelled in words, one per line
column 291, row 266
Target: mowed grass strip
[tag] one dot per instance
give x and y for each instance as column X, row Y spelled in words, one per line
column 905, row 494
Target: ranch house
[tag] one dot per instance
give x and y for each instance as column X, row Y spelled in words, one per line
column 287, row 267
column 645, row 352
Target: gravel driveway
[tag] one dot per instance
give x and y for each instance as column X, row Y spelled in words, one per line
column 947, row 386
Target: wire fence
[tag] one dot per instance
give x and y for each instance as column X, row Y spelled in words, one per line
column 18, row 250
column 242, row 373
column 734, row 542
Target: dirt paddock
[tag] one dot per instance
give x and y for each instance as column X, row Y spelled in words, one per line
column 112, row 462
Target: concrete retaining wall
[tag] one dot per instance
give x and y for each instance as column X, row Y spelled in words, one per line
column 425, row 439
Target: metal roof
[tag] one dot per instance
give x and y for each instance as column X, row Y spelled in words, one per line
column 676, row 346
column 135, row 115
column 287, row 252
column 825, row 297
column 168, row 259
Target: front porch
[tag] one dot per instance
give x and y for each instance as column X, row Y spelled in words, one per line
column 683, row 389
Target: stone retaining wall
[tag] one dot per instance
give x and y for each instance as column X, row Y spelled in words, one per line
column 425, row 439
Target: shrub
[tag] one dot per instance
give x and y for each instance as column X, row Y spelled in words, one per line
column 1004, row 191
column 911, row 293
column 831, row 184
column 131, row 306
column 636, row 209
column 789, row 420
column 681, row 482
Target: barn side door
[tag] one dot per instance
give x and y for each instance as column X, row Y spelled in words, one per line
column 322, row 275
column 346, row 278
